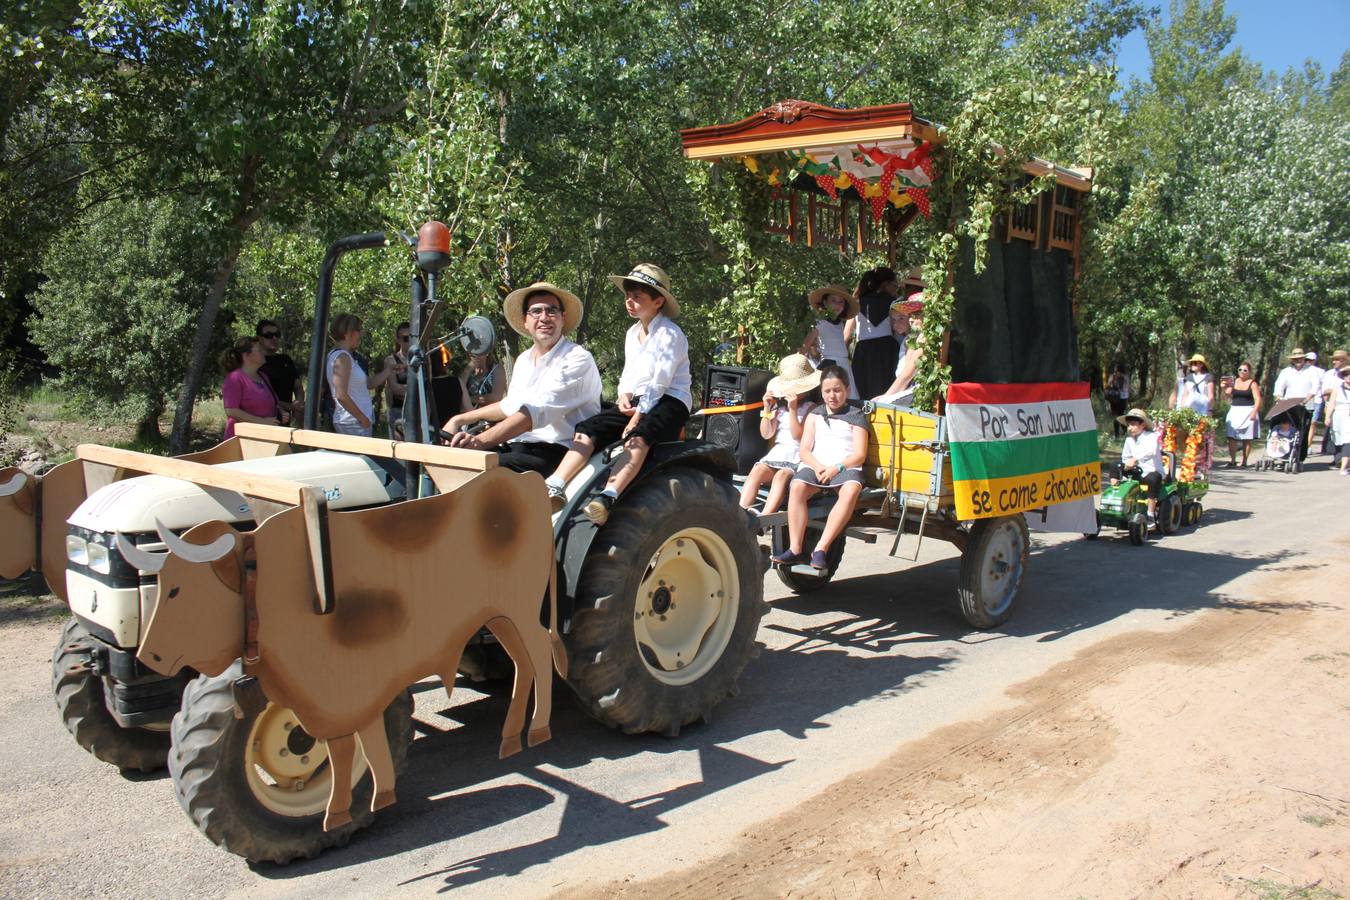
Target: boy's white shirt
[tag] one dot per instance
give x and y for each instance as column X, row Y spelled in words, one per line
column 656, row 367
column 1145, row 449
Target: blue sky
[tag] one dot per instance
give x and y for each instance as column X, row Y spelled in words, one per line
column 1276, row 34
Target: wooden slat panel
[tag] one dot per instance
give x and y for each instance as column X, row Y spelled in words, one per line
column 454, row 457
column 276, row 489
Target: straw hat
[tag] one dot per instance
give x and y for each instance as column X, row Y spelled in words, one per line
column 513, row 308
column 1297, row 353
column 1340, row 355
column 1197, row 358
column 795, row 376
column 816, row 299
column 653, row 277
column 1139, row 414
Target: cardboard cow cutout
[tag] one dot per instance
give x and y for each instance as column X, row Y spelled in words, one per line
column 33, row 513
column 412, row 583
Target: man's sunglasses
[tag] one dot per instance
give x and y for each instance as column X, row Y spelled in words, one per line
column 270, row 334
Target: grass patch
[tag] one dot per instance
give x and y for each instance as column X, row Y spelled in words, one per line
column 27, row 600
column 1314, row 819
column 1269, row 889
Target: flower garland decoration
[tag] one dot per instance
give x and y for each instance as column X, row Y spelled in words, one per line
column 1189, row 437
column 904, row 177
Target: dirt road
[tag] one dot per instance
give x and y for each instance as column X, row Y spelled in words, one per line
column 1160, row 721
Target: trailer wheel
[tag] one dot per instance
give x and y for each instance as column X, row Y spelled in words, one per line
column 668, row 603
column 1169, row 515
column 797, row 582
column 991, row 569
column 84, row 712
column 258, row 786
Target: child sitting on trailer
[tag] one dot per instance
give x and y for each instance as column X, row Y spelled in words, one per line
column 789, row 398
column 834, row 446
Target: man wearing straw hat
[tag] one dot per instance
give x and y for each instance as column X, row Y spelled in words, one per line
column 1331, row 381
column 1141, row 456
column 554, row 385
column 1297, row 382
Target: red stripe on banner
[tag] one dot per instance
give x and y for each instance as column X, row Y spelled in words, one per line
column 971, row 392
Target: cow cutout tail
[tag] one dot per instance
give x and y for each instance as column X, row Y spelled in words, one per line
column 559, row 652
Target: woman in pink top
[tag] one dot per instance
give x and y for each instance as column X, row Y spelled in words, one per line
column 246, row 393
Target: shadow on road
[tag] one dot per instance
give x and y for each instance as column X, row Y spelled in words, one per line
column 862, row 637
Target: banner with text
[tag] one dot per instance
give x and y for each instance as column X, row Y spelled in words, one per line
column 1020, row 447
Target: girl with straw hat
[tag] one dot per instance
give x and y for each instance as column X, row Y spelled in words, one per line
column 1195, row 388
column 836, row 309
column 795, row 386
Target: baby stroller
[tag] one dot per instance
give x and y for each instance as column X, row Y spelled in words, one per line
column 1282, row 444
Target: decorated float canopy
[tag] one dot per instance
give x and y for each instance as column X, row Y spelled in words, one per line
column 854, row 179
column 879, row 157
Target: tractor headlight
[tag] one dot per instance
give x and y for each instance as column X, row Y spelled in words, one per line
column 98, row 559
column 77, row 550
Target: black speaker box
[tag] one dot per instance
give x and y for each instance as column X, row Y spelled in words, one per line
column 739, row 431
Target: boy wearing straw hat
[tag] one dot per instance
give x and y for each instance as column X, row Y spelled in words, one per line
column 555, row 385
column 1142, row 456
column 654, row 390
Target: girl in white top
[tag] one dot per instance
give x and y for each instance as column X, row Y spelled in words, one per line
column 1196, row 388
column 353, row 409
column 836, row 309
column 834, row 446
column 795, row 384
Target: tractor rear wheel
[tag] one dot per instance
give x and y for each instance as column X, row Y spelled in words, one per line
column 668, row 603
column 258, row 786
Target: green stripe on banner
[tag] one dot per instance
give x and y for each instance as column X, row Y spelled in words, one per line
column 1006, row 459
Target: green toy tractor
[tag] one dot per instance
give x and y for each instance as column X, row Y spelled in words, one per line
column 1124, row 504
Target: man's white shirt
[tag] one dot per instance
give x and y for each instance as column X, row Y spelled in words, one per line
column 1297, row 384
column 1145, row 449
column 558, row 390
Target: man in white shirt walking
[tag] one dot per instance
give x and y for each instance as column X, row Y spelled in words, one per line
column 1297, row 382
column 1331, row 380
column 554, row 385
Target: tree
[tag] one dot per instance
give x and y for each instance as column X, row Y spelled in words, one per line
column 117, row 310
column 258, row 111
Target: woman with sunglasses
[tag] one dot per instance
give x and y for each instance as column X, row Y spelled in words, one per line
column 1243, row 424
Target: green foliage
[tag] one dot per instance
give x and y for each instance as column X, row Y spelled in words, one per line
column 117, row 311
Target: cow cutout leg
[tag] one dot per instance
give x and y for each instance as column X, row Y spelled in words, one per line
column 375, row 743
column 539, row 646
column 341, row 754
column 509, row 636
column 451, row 671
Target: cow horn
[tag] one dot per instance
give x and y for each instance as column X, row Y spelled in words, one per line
column 143, row 560
column 195, row 553
column 14, row 485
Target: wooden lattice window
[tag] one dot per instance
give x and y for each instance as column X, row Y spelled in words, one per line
column 872, row 235
column 1064, row 219
column 1024, row 222
column 826, row 222
column 783, row 217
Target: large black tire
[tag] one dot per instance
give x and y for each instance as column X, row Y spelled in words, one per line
column 1169, row 514
column 798, row 582
column 681, row 545
column 992, row 564
column 221, row 784
column 79, row 697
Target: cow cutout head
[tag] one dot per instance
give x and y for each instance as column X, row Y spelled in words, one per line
column 18, row 526
column 199, row 617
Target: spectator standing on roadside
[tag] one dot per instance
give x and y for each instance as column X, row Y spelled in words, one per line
column 281, row 371
column 246, row 394
column 1315, row 408
column 1195, row 388
column 1295, row 382
column 1117, row 397
column 396, row 388
column 1338, row 418
column 1330, row 382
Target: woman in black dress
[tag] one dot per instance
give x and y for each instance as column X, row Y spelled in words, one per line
column 876, row 352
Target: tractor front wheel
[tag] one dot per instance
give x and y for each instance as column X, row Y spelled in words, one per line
column 258, row 786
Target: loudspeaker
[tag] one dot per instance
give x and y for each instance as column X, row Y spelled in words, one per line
column 739, row 431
